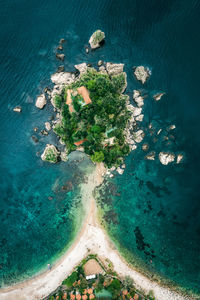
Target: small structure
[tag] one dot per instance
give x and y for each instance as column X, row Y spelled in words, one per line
column 89, row 277
column 80, row 142
column 85, row 94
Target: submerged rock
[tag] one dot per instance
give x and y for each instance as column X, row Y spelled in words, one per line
column 63, row 78
column 44, row 132
column 50, row 154
column 35, row 139
column 100, row 63
column 158, row 96
column 17, row 109
column 41, row 101
column 96, row 39
column 166, row 157
column 82, row 68
column 60, row 56
column 114, row 69
column 142, row 73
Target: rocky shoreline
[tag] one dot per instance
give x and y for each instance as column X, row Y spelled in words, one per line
column 134, row 133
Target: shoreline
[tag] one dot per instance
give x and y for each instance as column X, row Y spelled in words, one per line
column 92, row 238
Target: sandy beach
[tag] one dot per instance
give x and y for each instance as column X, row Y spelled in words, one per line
column 91, row 239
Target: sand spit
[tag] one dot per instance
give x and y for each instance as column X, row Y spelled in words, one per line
column 91, row 239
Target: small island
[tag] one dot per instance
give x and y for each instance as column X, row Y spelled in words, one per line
column 93, row 114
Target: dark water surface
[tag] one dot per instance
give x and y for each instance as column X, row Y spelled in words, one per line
column 158, row 211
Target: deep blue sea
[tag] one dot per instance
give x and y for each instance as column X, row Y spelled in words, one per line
column 154, row 209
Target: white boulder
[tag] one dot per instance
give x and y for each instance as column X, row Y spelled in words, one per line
column 138, row 136
column 41, row 101
column 17, row 109
column 179, row 158
column 142, row 73
column 166, row 157
column 158, row 96
column 138, row 98
column 47, row 126
column 150, row 155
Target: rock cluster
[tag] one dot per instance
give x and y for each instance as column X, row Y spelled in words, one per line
column 166, row 157
column 142, row 73
column 139, row 100
column 62, row 78
column 82, row 68
column 96, row 39
column 41, row 101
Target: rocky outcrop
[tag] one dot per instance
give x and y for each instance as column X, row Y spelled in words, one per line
column 179, row 158
column 166, row 157
column 17, row 109
column 82, row 68
column 50, row 154
column 47, row 126
column 138, row 98
column 96, row 39
column 114, row 69
column 158, row 96
column 64, row 156
column 142, row 73
column 41, row 101
column 60, row 56
column 138, row 136
column 62, row 78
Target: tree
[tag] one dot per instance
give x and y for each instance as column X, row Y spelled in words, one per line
column 97, row 156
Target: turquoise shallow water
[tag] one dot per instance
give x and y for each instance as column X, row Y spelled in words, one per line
column 158, row 208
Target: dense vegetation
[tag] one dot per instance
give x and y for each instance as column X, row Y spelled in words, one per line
column 101, row 123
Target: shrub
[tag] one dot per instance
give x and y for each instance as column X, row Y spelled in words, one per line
column 71, row 279
column 97, row 156
column 58, row 100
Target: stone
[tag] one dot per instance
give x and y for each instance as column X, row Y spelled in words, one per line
column 82, row 68
column 47, row 90
column 158, row 96
column 150, row 155
column 60, row 47
column 159, row 131
column 41, row 101
column 120, row 171
column 139, row 118
column 47, row 126
column 17, row 109
column 50, row 154
column 64, row 156
column 142, row 73
column 35, row 129
column 60, row 69
column 145, row 147
column 62, row 41
column 171, row 127
column 61, row 79
column 96, row 39
column 138, row 98
column 60, row 56
column 100, row 63
column 179, row 158
column 44, row 132
column 35, row 139
column 166, row 157
column 102, row 70
column 114, row 69
column 138, row 136
column 137, row 111
column 87, row 50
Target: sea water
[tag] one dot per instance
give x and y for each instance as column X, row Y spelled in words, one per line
column 156, row 207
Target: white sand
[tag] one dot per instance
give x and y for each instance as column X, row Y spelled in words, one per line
column 92, row 239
